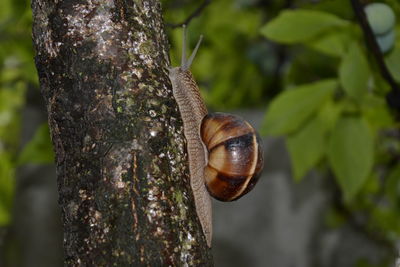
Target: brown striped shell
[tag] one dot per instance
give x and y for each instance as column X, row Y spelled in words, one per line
column 235, row 158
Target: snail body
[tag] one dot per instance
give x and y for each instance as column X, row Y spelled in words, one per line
column 193, row 109
column 225, row 156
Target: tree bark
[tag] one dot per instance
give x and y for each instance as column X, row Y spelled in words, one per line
column 122, row 166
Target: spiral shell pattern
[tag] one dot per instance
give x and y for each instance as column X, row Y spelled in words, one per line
column 235, row 158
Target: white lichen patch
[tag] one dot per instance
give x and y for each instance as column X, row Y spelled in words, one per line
column 186, row 255
column 153, row 133
column 94, row 218
column 147, row 9
column 92, row 21
column 122, row 159
column 138, row 72
column 159, row 231
column 143, row 47
column 119, row 172
column 129, row 78
column 151, row 212
column 72, row 209
column 51, row 47
column 156, row 128
column 152, row 113
column 97, row 215
column 83, row 194
column 154, row 208
column 153, row 194
column 120, row 184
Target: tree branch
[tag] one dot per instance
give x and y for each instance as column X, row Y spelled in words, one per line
column 393, row 97
column 122, row 168
column 194, row 14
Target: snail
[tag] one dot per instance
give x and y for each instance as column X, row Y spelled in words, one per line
column 225, row 153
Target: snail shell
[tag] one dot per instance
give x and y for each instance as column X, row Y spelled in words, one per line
column 235, row 158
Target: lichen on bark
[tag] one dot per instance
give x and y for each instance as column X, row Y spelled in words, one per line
column 118, row 136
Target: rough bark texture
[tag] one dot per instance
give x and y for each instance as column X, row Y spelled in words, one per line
column 118, row 136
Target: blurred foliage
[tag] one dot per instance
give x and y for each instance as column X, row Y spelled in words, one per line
column 342, row 124
column 232, row 67
column 17, row 75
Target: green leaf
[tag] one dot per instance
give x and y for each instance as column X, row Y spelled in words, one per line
column 39, row 149
column 350, row 153
column 308, row 145
column 329, row 114
column 333, row 43
column 220, row 29
column 376, row 112
column 292, row 107
column 354, row 72
column 294, row 26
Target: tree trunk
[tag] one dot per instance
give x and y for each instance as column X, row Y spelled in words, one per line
column 122, row 166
